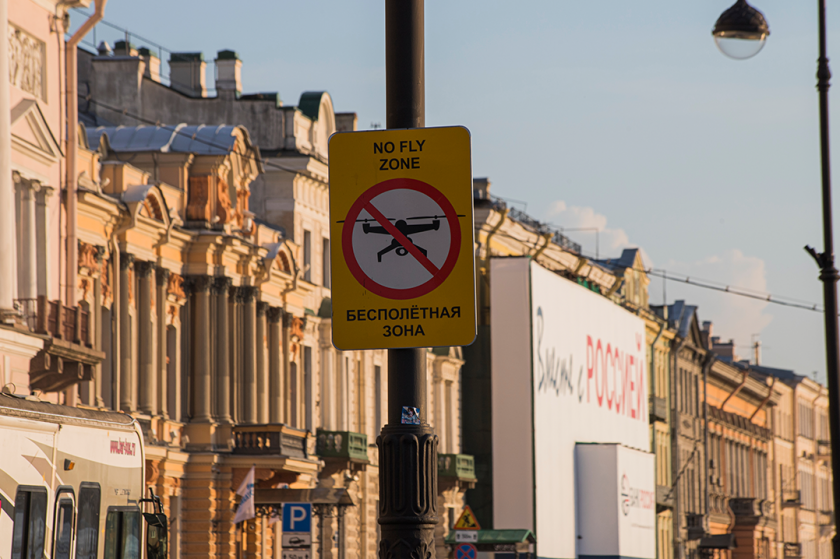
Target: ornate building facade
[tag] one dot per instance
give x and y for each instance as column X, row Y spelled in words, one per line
column 229, row 242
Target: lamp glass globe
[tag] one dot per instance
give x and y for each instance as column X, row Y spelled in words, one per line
column 740, row 45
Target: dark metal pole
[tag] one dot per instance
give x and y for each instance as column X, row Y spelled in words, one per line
column 828, row 272
column 407, row 453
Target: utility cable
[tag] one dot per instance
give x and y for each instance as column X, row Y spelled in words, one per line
column 138, row 118
column 668, row 275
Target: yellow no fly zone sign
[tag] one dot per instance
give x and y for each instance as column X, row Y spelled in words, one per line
column 401, row 224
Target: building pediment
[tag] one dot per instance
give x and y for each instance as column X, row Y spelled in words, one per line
column 31, row 135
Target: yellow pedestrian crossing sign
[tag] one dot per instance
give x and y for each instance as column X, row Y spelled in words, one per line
column 467, row 520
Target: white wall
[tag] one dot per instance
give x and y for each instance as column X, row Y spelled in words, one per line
column 568, row 367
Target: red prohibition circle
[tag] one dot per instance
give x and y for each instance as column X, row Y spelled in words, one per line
column 364, row 200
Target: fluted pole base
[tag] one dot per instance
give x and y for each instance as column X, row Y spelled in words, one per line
column 407, row 491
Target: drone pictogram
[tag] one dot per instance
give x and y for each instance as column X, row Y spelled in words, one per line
column 406, row 229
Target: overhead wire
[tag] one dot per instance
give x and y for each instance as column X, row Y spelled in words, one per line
column 721, row 287
column 665, row 275
column 175, row 130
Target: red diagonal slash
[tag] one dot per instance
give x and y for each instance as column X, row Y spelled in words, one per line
column 402, row 239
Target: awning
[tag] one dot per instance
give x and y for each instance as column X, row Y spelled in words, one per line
column 719, row 541
column 499, row 540
column 317, row 496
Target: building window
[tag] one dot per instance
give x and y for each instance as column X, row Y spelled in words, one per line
column 806, row 420
column 326, row 263
column 806, row 488
column 307, row 255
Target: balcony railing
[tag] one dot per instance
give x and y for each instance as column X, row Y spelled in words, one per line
column 791, row 499
column 658, row 409
column 460, row 466
column 750, row 506
column 342, row 444
column 823, row 449
column 793, row 550
column 664, row 497
column 270, row 439
column 71, row 324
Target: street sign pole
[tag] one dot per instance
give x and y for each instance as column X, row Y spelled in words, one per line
column 407, row 451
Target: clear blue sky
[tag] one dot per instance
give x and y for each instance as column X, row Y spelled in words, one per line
column 611, row 114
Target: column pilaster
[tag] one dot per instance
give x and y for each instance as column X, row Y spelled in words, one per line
column 28, row 272
column 162, row 395
column 262, row 369
column 235, row 337
column 275, row 369
column 43, row 238
column 249, row 376
column 126, row 376
column 145, row 344
column 220, row 289
column 96, row 312
column 200, row 397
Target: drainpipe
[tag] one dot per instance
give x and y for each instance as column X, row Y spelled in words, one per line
column 71, row 61
column 493, row 232
column 8, row 260
column 483, row 285
column 675, row 456
column 295, row 274
column 653, row 360
column 737, row 389
column 767, row 399
column 547, row 238
column 816, row 446
column 710, row 359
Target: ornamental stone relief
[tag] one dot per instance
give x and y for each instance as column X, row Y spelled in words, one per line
column 26, row 62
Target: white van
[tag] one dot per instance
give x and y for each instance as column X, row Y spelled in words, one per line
column 71, row 484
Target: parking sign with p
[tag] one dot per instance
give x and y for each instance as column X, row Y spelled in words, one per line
column 297, row 517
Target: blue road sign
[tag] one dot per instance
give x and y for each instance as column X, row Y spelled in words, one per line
column 297, row 517
column 466, row 551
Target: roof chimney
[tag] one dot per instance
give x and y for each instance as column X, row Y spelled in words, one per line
column 124, row 48
column 481, row 189
column 186, row 73
column 152, row 63
column 228, row 71
column 104, row 49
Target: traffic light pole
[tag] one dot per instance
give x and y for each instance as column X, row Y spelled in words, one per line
column 407, row 451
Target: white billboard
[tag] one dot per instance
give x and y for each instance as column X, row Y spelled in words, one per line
column 568, row 366
column 616, row 501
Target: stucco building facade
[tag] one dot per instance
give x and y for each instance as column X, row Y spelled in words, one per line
column 259, row 221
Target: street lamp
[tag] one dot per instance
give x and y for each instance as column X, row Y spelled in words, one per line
column 740, row 31
column 744, row 23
